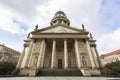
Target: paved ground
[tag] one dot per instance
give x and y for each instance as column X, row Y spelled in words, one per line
column 58, row 78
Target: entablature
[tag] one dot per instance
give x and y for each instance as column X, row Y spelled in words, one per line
column 59, row 36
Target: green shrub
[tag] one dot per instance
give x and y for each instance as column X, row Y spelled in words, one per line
column 6, row 68
column 114, row 67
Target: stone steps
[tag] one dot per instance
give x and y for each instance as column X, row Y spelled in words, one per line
column 59, row 72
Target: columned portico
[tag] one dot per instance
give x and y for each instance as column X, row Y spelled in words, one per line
column 65, row 54
column 53, row 54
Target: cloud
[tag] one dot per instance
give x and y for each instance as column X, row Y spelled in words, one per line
column 109, row 41
column 2, row 42
column 108, row 38
column 101, row 17
column 7, row 22
column 23, row 7
column 22, row 12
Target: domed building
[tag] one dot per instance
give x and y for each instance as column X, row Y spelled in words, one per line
column 59, row 50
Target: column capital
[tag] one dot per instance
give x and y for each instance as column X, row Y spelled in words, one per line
column 76, row 39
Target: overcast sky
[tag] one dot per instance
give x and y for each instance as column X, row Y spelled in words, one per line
column 100, row 17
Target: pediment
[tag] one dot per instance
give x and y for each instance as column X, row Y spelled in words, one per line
column 60, row 29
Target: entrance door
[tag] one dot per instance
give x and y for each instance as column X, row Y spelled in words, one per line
column 59, row 63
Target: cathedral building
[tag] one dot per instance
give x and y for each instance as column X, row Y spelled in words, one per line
column 59, row 49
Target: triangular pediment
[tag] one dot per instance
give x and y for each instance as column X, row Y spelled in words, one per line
column 60, row 29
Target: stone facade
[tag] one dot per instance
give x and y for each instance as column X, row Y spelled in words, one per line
column 8, row 55
column 60, row 46
column 110, row 57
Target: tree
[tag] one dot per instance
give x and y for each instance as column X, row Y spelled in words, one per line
column 114, row 67
column 6, row 68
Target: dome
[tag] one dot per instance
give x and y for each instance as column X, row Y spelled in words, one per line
column 60, row 13
column 60, row 19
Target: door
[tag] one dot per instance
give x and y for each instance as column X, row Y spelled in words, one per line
column 59, row 63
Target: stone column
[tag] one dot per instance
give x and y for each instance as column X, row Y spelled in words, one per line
column 30, row 51
column 40, row 55
column 65, row 54
column 31, row 55
column 94, row 56
column 27, row 54
column 21, row 58
column 77, row 53
column 43, row 55
column 53, row 54
column 90, row 54
column 98, row 58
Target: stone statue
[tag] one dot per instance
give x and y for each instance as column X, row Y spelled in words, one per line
column 28, row 35
column 36, row 27
column 84, row 61
column 83, row 27
column 35, row 61
column 91, row 35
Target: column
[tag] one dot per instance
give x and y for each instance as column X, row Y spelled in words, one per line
column 43, row 55
column 40, row 54
column 31, row 55
column 98, row 59
column 65, row 54
column 30, row 51
column 27, row 54
column 94, row 56
column 77, row 54
column 90, row 54
column 53, row 54
column 21, row 58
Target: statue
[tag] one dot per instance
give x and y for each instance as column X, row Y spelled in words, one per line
column 28, row 35
column 35, row 61
column 36, row 27
column 91, row 35
column 83, row 27
column 84, row 61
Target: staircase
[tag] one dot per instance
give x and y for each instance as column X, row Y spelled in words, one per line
column 59, row 72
